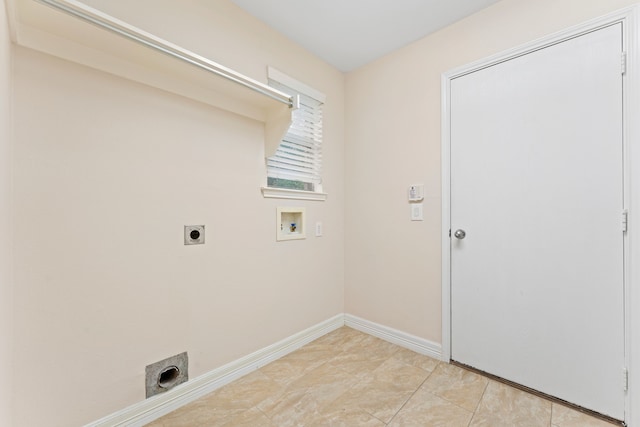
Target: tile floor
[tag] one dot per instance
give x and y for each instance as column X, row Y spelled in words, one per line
column 348, row 378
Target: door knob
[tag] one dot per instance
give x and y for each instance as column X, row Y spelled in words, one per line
column 460, row 234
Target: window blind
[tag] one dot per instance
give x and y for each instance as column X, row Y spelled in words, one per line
column 297, row 162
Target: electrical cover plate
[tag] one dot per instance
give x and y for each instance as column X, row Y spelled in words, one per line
column 194, row 234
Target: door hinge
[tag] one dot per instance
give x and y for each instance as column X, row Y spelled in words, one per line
column 623, row 62
column 625, row 379
column 625, row 220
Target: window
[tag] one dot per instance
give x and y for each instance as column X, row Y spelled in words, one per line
column 297, row 162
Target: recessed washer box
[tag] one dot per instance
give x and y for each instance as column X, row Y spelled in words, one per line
column 194, row 234
column 290, row 223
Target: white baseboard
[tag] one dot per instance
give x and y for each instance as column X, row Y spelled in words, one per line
column 419, row 345
column 153, row 408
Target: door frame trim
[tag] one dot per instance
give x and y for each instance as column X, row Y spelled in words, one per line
column 629, row 17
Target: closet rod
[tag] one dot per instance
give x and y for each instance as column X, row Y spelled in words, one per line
column 114, row 25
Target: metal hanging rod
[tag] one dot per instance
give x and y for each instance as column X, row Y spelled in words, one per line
column 121, row 28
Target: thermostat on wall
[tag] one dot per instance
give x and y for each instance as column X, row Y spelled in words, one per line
column 416, row 192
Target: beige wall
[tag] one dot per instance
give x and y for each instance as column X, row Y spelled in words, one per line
column 393, row 136
column 107, row 172
column 6, row 285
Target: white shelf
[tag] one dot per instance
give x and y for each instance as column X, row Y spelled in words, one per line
column 285, row 193
column 41, row 27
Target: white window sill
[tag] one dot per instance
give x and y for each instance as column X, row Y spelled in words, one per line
column 283, row 193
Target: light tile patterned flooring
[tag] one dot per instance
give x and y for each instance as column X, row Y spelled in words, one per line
column 348, row 378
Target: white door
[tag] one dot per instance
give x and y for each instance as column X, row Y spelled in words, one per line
column 537, row 185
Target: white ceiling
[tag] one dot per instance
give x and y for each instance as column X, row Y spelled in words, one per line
column 350, row 33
